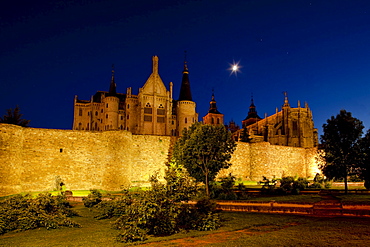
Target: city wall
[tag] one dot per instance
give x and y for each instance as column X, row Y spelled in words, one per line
column 34, row 159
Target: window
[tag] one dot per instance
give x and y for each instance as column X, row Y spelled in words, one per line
column 79, row 126
column 128, row 106
column 88, row 125
column 186, row 120
column 101, row 111
column 80, row 112
column 212, row 121
column 218, row 121
column 160, row 119
column 96, row 113
column 128, row 116
column 147, row 118
column 161, row 111
column 107, row 105
column 121, row 117
column 106, row 115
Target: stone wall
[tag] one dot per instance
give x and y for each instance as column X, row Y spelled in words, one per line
column 32, row 159
column 251, row 161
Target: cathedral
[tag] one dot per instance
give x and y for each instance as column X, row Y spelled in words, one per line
column 292, row 127
column 152, row 112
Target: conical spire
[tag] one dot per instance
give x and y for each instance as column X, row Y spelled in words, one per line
column 213, row 106
column 185, row 92
column 112, row 87
column 252, row 113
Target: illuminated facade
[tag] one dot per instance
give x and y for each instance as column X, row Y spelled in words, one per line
column 152, row 112
column 289, row 127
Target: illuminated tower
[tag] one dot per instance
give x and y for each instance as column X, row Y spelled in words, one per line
column 111, row 103
column 252, row 115
column 155, row 105
column 213, row 117
column 186, row 114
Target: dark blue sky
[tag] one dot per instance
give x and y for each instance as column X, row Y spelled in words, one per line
column 318, row 51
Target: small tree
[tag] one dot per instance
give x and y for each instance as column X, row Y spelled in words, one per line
column 14, row 117
column 245, row 137
column 341, row 146
column 204, row 150
column 365, row 159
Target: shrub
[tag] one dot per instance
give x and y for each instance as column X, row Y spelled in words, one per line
column 160, row 210
column 208, row 222
column 23, row 213
column 94, row 198
column 131, row 234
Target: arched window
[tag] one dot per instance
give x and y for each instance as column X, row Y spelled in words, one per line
column 128, row 116
column 218, row 121
column 106, row 115
column 107, row 105
column 96, row 113
column 128, row 106
column 186, row 120
column 212, row 121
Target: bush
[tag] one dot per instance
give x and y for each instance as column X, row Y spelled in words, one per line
column 94, row 198
column 24, row 213
column 131, row 234
column 160, row 210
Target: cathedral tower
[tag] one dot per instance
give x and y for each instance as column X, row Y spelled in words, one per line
column 213, row 117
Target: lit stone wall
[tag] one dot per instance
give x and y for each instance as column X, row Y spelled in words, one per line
column 31, row 159
column 253, row 160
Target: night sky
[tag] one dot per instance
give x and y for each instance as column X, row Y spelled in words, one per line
column 316, row 50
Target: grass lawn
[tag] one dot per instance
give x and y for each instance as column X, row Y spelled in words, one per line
column 238, row 229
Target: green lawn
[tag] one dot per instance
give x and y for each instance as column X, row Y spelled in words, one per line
column 239, row 229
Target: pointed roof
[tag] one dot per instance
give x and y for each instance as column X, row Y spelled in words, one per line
column 213, row 106
column 154, row 84
column 112, row 86
column 185, row 92
column 252, row 113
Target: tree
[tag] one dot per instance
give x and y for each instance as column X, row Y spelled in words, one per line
column 245, row 137
column 341, row 146
column 365, row 159
column 14, row 117
column 204, row 150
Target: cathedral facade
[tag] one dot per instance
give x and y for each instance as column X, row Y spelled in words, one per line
column 292, row 127
column 152, row 112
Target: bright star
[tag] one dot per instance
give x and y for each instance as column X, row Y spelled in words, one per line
column 234, row 68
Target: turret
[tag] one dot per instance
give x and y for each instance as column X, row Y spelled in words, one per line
column 111, row 104
column 186, row 114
